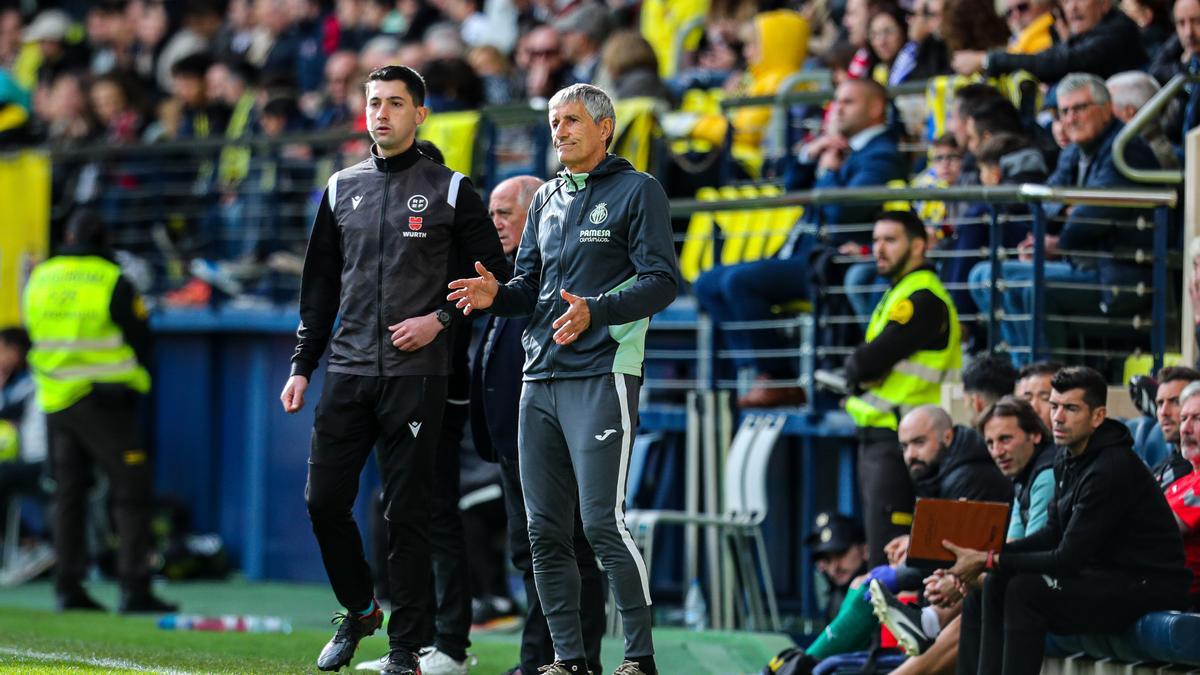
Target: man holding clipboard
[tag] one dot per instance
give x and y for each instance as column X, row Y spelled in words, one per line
column 1109, row 553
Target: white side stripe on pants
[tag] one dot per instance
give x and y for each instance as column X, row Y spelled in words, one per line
column 622, row 475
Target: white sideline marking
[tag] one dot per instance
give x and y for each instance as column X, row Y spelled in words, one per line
column 88, row 661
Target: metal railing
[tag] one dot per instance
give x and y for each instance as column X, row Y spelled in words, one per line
column 1147, row 114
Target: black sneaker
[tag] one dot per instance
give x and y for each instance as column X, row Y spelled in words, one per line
column 904, row 621
column 145, row 603
column 403, row 662
column 340, row 650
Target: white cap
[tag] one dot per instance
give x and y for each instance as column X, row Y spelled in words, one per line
column 51, row 24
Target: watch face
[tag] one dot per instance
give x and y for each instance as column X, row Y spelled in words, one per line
column 444, row 317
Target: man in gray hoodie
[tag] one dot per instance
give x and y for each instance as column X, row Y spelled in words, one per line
column 595, row 263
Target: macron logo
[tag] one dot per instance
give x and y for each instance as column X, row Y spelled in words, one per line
column 606, row 434
column 354, row 202
column 415, row 428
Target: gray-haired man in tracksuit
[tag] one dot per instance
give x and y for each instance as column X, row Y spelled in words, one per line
column 595, row 262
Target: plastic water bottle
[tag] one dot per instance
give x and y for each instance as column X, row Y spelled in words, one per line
column 695, row 610
column 227, row 623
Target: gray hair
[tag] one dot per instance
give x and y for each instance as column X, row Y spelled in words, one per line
column 1077, row 81
column 1132, row 87
column 1189, row 391
column 595, row 101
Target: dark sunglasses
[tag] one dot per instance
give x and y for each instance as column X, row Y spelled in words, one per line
column 1019, row 8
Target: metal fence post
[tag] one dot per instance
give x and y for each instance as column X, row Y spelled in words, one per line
column 993, row 323
column 1158, row 295
column 1038, row 308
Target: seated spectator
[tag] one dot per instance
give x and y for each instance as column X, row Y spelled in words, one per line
column 584, row 30
column 983, row 121
column 775, row 46
column 453, row 86
column 1085, row 106
column 839, row 550
column 1181, row 54
column 203, row 115
column 113, row 101
column 924, row 55
column 987, row 379
column 1183, row 495
column 628, row 63
column 886, row 37
column 1033, row 386
column 1103, row 41
column 1168, row 400
column 483, row 23
column 1129, row 92
column 1010, row 159
column 1153, row 19
column 539, row 55
column 1109, row 553
column 331, row 108
column 861, row 152
column 1032, row 25
column 945, row 162
column 856, row 21
column 490, row 64
column 967, row 25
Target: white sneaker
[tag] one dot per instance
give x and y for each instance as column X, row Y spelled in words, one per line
column 436, row 662
column 374, row 665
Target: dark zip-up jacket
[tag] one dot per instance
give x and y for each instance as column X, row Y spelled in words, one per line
column 1112, row 46
column 610, row 242
column 387, row 237
column 1043, row 460
column 965, row 470
column 1108, row 516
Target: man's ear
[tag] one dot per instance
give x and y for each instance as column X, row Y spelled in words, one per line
column 422, row 113
column 608, row 127
column 1098, row 416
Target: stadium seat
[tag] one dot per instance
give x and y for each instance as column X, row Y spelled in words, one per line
column 672, row 27
column 1148, row 440
column 1161, row 637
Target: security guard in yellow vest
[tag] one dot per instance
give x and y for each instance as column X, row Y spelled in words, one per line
column 912, row 345
column 90, row 346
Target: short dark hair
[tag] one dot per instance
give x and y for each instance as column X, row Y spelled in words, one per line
column 996, row 116
column 192, row 65
column 1095, row 389
column 946, row 140
column 85, row 228
column 1011, row 406
column 992, row 375
column 972, row 95
column 913, row 226
column 15, row 336
column 1177, row 373
column 999, row 145
column 1040, row 368
column 411, row 79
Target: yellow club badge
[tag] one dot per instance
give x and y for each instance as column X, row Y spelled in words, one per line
column 901, row 312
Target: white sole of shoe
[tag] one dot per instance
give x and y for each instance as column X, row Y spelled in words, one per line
column 879, row 606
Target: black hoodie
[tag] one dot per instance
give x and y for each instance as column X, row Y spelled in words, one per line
column 965, row 470
column 1108, row 516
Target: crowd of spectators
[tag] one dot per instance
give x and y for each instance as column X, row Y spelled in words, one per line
column 1048, row 86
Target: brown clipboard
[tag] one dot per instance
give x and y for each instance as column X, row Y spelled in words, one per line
column 977, row 525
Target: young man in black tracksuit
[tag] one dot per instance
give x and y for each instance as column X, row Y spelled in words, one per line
column 1109, row 553
column 595, row 263
column 380, row 251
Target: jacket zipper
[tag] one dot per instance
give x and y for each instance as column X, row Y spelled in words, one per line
column 562, row 245
column 379, row 286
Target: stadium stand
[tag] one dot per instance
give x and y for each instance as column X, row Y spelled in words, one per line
column 211, row 180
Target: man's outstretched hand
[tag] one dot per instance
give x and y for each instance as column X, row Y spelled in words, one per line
column 475, row 293
column 574, row 321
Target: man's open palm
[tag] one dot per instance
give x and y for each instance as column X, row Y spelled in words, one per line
column 475, row 293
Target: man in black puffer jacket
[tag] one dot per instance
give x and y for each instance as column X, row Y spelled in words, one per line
column 1109, row 553
column 947, row 461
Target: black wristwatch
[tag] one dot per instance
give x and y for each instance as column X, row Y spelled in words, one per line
column 443, row 318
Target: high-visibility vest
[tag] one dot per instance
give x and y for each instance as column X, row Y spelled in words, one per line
column 75, row 341
column 916, row 380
